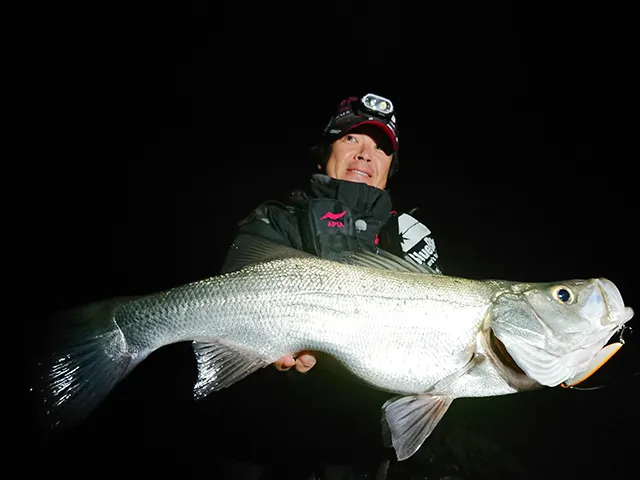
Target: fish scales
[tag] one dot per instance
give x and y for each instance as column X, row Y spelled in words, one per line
column 370, row 320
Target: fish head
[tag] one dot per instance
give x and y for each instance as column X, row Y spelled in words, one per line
column 556, row 333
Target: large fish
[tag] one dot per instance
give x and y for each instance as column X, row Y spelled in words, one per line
column 427, row 338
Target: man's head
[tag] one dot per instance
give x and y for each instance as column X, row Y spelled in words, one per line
column 360, row 142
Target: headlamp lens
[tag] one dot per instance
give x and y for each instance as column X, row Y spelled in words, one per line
column 377, row 104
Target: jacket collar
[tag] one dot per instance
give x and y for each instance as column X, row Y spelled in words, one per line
column 364, row 201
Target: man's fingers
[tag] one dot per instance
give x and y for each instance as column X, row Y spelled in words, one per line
column 305, row 362
column 284, row 363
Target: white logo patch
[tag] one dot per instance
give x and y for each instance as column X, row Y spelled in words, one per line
column 411, row 231
column 416, row 241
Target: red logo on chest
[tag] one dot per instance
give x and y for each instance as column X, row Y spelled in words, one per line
column 333, row 219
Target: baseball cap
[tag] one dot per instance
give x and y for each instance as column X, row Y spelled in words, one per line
column 370, row 109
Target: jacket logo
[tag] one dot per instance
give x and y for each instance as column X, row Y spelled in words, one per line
column 333, row 219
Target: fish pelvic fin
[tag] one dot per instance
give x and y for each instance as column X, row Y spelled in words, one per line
column 220, row 366
column 408, row 420
column 85, row 356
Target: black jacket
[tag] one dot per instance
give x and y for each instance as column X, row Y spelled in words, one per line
column 331, row 216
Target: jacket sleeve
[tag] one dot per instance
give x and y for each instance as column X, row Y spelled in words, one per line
column 270, row 220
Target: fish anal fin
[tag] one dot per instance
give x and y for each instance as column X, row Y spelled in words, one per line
column 221, row 365
column 409, row 420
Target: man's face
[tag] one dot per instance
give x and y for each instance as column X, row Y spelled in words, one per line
column 362, row 155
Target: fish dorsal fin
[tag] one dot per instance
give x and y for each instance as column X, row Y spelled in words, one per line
column 383, row 260
column 260, row 250
column 220, row 366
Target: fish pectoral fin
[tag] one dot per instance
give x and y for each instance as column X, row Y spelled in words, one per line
column 409, row 420
column 475, row 360
column 220, row 366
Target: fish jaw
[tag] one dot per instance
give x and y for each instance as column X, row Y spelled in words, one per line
column 619, row 314
column 556, row 344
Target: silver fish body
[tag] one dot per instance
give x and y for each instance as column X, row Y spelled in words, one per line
column 427, row 338
column 400, row 332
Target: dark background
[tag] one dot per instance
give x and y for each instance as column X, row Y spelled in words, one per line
column 157, row 127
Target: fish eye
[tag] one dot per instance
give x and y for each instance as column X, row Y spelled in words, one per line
column 563, row 294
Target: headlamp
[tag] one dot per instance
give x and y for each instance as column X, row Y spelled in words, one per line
column 377, row 104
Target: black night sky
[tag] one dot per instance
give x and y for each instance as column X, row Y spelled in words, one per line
column 166, row 124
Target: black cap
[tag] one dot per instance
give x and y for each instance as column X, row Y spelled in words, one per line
column 370, row 109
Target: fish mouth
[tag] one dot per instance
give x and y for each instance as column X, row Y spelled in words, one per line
column 618, row 312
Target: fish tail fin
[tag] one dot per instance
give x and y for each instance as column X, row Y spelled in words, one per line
column 85, row 354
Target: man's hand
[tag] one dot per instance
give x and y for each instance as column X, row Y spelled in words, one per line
column 303, row 362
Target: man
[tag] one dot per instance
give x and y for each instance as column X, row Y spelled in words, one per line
column 346, row 205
